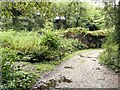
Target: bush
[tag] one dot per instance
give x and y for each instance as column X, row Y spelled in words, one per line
column 20, row 41
column 50, row 39
column 48, row 25
column 12, row 78
column 34, row 47
column 71, row 45
column 110, row 56
column 77, row 45
column 31, row 45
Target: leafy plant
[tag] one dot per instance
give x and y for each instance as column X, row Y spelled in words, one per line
column 50, row 39
column 12, row 77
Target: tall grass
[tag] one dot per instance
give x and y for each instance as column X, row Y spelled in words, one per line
column 20, row 41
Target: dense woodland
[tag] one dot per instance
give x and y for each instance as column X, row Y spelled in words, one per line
column 42, row 34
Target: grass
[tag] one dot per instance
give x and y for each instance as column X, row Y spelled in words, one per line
column 42, row 67
column 36, row 68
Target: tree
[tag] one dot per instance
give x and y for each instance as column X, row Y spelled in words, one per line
column 111, row 56
column 13, row 11
column 75, row 13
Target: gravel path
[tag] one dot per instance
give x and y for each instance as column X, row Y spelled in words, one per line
column 81, row 71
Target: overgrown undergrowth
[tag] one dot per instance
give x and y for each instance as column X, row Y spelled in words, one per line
column 110, row 56
column 31, row 47
column 26, row 54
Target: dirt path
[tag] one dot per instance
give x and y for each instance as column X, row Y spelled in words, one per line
column 81, row 71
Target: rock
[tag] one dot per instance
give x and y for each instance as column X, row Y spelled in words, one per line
column 98, row 68
column 94, row 59
column 102, row 78
column 66, row 79
column 81, row 55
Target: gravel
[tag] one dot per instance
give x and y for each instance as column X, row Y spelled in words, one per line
column 81, row 71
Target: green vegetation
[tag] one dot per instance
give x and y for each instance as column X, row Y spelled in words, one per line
column 33, row 41
column 33, row 47
column 30, row 16
column 13, row 78
column 111, row 55
column 91, row 39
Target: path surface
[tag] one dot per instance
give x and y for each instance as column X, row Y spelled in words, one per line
column 81, row 71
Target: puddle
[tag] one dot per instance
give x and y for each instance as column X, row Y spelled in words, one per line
column 52, row 83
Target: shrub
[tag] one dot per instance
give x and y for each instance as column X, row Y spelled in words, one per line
column 48, row 25
column 70, row 45
column 12, row 78
column 34, row 47
column 77, row 45
column 20, row 41
column 110, row 55
column 6, row 38
column 66, row 46
column 31, row 45
column 50, row 39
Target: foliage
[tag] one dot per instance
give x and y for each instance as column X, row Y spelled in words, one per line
column 95, row 18
column 26, row 41
column 31, row 46
column 70, row 45
column 80, row 14
column 50, row 39
column 98, row 33
column 92, row 39
column 75, row 13
column 34, row 15
column 13, row 78
column 48, row 25
column 110, row 15
column 77, row 45
column 20, row 41
column 111, row 55
column 24, row 15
